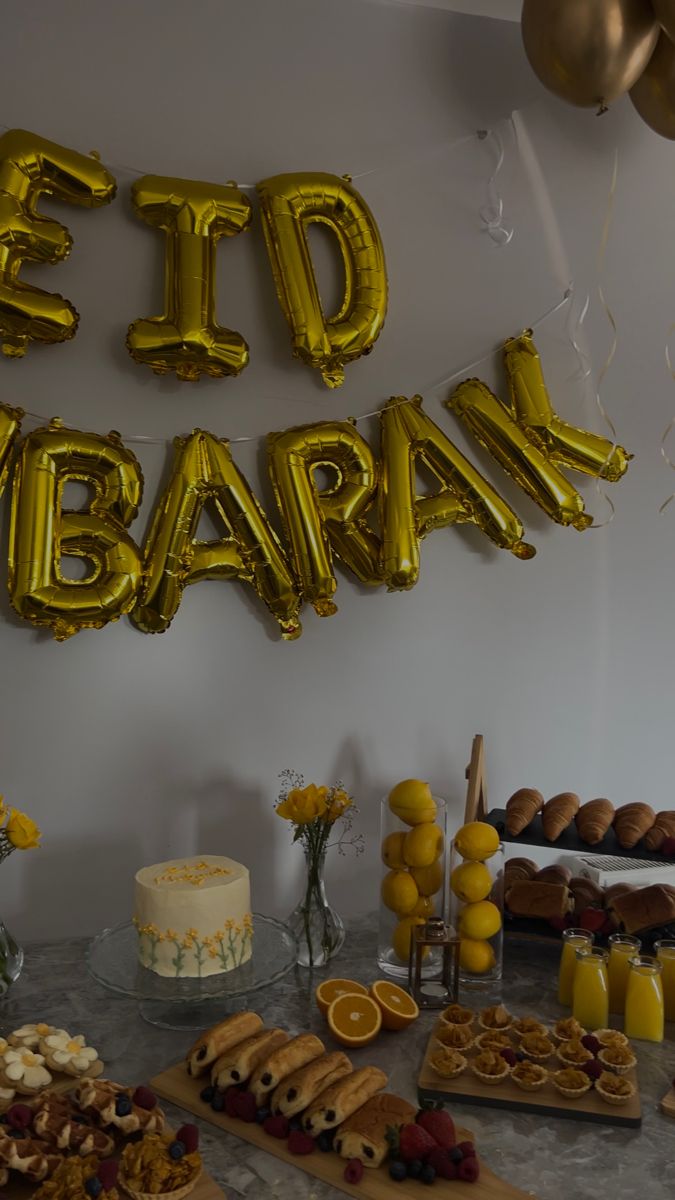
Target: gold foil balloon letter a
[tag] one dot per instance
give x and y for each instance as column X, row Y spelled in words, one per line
column 186, row 338
column 409, row 438
column 10, row 424
column 204, row 474
column 318, row 521
column 30, row 166
column 41, row 532
column 289, row 203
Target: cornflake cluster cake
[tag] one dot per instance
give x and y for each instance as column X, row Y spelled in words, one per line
column 193, row 916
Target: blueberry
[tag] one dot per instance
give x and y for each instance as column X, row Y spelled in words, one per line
column 18, row 1133
column 428, row 1173
column 262, row 1115
column 520, row 1057
column 207, row 1094
column 415, row 1168
column 93, row 1187
column 122, row 1106
column 177, row 1149
column 397, row 1171
column 455, row 1154
column 325, row 1140
column 295, row 1123
column 218, row 1102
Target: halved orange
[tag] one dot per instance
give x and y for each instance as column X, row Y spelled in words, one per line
column 354, row 1019
column 329, row 989
column 398, row 1007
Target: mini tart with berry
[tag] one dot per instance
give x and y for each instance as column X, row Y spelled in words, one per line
column 492, row 1039
column 496, row 1017
column 537, row 1046
column 81, row 1179
column 614, row 1089
column 525, row 1025
column 448, row 1063
column 617, row 1057
column 573, row 1053
column 610, row 1037
column 160, row 1166
column 571, row 1082
column 490, row 1067
column 455, row 1037
column 530, row 1076
column 455, row 1014
column 567, row 1029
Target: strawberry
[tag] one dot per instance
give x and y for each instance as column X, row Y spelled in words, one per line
column 276, row 1126
column 439, row 1124
column 299, row 1142
column 444, row 1167
column 468, row 1170
column 591, row 919
column 414, row 1142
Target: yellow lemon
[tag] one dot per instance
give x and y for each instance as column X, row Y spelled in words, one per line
column 476, row 957
column 399, row 892
column 481, row 920
column 477, row 841
column 392, row 851
column 402, row 935
column 471, row 882
column 411, row 801
column 429, row 880
column 423, row 845
column 424, row 908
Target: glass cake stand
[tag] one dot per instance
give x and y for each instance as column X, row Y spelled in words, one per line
column 112, row 959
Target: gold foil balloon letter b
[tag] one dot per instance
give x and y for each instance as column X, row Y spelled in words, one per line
column 41, row 532
column 30, row 166
column 289, row 203
column 186, row 338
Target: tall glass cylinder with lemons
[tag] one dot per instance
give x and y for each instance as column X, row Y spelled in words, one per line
column 413, row 886
column 476, row 907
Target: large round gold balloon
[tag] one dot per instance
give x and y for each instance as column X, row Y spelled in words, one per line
column 588, row 52
column 654, row 92
column 664, row 11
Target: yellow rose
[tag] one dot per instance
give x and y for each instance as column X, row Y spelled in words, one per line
column 3, row 809
column 303, row 805
column 21, row 831
column 339, row 802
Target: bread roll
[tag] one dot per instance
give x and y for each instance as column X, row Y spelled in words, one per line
column 645, row 908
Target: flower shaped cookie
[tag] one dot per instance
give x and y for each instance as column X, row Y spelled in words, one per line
column 23, row 1070
column 68, row 1054
column 30, row 1035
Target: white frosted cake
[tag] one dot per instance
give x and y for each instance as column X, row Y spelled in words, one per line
column 193, row 916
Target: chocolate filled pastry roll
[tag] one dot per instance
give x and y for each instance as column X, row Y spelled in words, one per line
column 301, row 1087
column 339, row 1101
column 238, row 1064
column 290, row 1057
column 210, row 1045
column 364, row 1134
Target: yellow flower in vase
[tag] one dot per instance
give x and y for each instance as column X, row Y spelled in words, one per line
column 338, row 803
column 303, row 805
column 21, row 831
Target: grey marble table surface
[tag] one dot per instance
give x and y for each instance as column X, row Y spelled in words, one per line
column 549, row 1158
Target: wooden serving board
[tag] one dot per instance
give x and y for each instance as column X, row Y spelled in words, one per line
column 667, row 1105
column 468, row 1089
column 177, row 1086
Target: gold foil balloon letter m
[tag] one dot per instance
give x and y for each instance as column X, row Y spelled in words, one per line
column 30, row 166
column 289, row 203
column 186, row 338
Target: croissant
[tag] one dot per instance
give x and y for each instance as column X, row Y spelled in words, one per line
column 559, row 812
column 646, row 908
column 663, row 827
column 631, row 823
column 593, row 820
column 521, row 808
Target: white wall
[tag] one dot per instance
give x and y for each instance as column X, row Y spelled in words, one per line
column 129, row 748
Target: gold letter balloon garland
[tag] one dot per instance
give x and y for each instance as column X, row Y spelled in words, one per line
column 524, row 435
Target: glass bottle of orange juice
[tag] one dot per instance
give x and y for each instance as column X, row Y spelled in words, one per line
column 644, row 1000
column 665, row 952
column 590, row 991
column 622, row 947
column 573, row 940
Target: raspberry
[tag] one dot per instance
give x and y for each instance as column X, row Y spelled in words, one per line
column 144, row 1098
column 414, row 1142
column 245, row 1106
column 468, row 1149
column 353, row 1171
column 509, row 1056
column 442, row 1163
column 591, row 1043
column 299, row 1142
column 189, row 1136
column 468, row 1170
column 276, row 1127
column 19, row 1116
column 107, row 1173
column 230, row 1100
column 439, row 1125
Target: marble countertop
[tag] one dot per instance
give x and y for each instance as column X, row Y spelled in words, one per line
column 550, row 1158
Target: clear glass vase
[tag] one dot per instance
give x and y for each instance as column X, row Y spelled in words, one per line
column 477, row 912
column 410, row 894
column 11, row 959
column 318, row 928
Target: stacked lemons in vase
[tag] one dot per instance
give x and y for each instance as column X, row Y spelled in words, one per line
column 474, row 887
column 414, row 853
